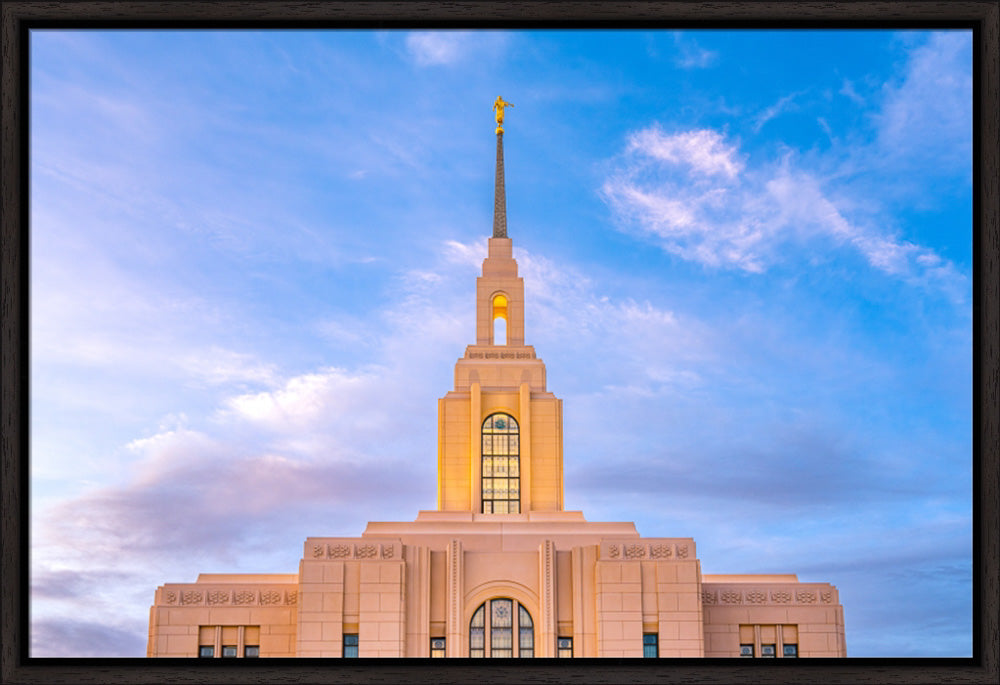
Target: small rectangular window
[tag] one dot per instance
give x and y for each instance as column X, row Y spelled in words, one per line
column 437, row 647
column 251, row 651
column 564, row 647
column 790, row 651
column 206, row 651
column 767, row 651
column 650, row 646
column 746, row 651
column 228, row 651
column 350, row 646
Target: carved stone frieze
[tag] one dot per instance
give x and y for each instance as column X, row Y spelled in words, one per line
column 218, row 597
column 635, row 551
column 763, row 596
column 270, row 597
column 192, row 597
column 340, row 551
column 660, row 551
column 805, row 597
column 731, row 597
column 245, row 597
column 366, row 551
column 709, row 597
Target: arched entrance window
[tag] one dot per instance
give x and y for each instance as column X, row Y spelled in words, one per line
column 509, row 632
column 501, row 465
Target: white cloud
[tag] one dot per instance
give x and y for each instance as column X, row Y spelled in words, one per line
column 690, row 55
column 928, row 114
column 704, row 150
column 782, row 105
column 702, row 203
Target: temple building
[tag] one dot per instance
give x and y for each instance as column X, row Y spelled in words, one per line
column 500, row 568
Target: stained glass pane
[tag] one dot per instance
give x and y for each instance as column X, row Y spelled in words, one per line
column 499, row 444
column 500, row 507
column 514, row 507
column 500, row 422
column 488, row 424
column 487, row 444
column 514, row 489
column 513, row 445
column 500, row 464
column 488, row 466
column 513, row 464
column 512, row 424
column 479, row 618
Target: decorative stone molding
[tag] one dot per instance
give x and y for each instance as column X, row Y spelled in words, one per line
column 270, row 597
column 762, row 595
column 244, row 597
column 347, row 549
column 365, row 551
column 781, row 597
column 218, row 597
column 240, row 596
column 635, row 551
column 660, row 551
column 657, row 549
column 340, row 551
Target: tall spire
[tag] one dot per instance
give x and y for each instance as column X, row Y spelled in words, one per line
column 500, row 193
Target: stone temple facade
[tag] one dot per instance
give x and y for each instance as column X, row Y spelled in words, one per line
column 500, row 568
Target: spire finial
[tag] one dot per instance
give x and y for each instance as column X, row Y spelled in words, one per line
column 498, row 106
column 500, row 193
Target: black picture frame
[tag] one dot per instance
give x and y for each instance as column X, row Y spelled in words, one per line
column 18, row 18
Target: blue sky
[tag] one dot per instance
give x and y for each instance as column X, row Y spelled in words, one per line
column 747, row 262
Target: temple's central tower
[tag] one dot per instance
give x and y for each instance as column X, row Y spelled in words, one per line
column 499, row 430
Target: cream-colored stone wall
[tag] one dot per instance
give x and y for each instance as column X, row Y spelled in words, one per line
column 812, row 608
column 180, row 610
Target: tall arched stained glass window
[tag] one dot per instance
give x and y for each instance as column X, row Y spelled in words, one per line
column 501, row 465
column 500, row 628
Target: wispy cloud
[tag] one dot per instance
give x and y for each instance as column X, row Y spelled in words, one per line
column 693, row 193
column 450, row 47
column 784, row 104
column 926, row 116
column 690, row 55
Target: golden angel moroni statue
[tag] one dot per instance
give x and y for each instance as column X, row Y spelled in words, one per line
column 498, row 106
